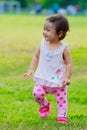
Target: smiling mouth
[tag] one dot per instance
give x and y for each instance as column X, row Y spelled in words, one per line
column 46, row 36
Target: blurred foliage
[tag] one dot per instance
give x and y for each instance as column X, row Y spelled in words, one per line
column 63, row 3
column 47, row 3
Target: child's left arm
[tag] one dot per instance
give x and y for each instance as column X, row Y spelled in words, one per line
column 68, row 62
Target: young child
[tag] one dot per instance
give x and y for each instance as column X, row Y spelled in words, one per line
column 54, row 67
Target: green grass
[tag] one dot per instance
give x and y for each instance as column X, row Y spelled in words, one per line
column 20, row 35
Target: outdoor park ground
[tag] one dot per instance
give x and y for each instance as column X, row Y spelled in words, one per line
column 20, row 35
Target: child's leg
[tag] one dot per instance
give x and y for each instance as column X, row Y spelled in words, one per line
column 39, row 95
column 61, row 97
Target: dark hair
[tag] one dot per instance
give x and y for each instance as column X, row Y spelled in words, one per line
column 61, row 24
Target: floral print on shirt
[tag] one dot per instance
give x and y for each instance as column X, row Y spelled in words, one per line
column 58, row 75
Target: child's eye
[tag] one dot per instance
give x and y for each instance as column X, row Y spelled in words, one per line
column 45, row 29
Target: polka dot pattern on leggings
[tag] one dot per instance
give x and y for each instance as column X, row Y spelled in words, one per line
column 39, row 90
column 44, row 88
column 60, row 105
column 61, row 98
column 64, row 101
column 42, row 94
column 58, row 94
column 34, row 94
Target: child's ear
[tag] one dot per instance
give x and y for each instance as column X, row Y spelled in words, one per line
column 60, row 34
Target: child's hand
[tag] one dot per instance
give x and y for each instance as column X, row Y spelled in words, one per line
column 66, row 81
column 29, row 73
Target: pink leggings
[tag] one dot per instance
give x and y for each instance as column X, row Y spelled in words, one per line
column 60, row 93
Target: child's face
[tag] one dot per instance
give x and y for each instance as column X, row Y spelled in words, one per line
column 49, row 32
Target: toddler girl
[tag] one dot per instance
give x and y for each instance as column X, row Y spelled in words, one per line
column 54, row 68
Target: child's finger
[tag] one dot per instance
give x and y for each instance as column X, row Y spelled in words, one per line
column 64, row 83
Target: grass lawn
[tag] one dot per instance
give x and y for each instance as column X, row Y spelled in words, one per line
column 20, row 35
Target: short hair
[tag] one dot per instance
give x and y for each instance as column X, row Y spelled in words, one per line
column 60, row 23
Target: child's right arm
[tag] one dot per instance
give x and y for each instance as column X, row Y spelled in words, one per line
column 33, row 64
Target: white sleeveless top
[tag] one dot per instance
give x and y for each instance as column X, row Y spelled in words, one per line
column 51, row 67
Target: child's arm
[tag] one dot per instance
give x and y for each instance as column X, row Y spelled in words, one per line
column 68, row 62
column 33, row 64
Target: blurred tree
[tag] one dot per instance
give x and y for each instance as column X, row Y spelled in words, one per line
column 7, row 0
column 23, row 3
column 48, row 3
column 64, row 3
